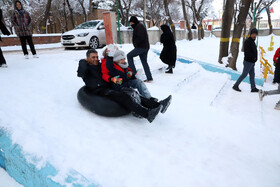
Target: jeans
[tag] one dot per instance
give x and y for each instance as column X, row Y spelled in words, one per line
column 29, row 40
column 142, row 53
column 141, row 87
column 249, row 68
column 2, row 59
column 141, row 108
column 273, row 92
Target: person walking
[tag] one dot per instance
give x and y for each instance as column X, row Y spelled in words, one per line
column 5, row 31
column 141, row 44
column 277, row 80
column 168, row 54
column 21, row 21
column 250, row 57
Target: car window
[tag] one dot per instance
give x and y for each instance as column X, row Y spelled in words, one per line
column 87, row 25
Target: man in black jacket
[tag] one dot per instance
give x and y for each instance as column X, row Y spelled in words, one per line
column 5, row 31
column 141, row 44
column 90, row 71
column 251, row 56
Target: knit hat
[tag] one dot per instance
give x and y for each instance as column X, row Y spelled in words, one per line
column 254, row 31
column 118, row 56
column 134, row 20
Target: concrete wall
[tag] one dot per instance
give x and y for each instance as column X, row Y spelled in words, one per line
column 37, row 39
column 154, row 35
column 262, row 32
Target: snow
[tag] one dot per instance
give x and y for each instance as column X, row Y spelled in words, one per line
column 209, row 136
column 6, row 180
column 154, row 28
column 38, row 46
column 34, row 35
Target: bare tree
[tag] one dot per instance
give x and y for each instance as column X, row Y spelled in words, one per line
column 71, row 13
column 239, row 24
column 190, row 36
column 200, row 11
column 169, row 19
column 47, row 13
column 260, row 6
column 81, row 2
column 226, row 25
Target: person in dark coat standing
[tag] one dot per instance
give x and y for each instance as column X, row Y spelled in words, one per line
column 169, row 52
column 250, row 57
column 193, row 26
column 21, row 21
column 5, row 31
column 277, row 80
column 141, row 44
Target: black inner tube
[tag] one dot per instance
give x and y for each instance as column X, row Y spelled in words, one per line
column 100, row 105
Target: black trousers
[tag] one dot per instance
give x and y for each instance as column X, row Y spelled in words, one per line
column 128, row 102
column 2, row 59
column 29, row 40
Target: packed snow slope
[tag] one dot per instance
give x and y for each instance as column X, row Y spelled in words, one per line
column 6, row 180
column 210, row 136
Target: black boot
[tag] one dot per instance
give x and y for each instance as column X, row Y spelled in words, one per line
column 236, row 88
column 165, row 103
column 154, row 99
column 170, row 70
column 255, row 90
column 153, row 112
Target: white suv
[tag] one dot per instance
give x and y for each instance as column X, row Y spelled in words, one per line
column 88, row 34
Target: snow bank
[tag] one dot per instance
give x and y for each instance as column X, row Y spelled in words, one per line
column 210, row 135
column 154, row 28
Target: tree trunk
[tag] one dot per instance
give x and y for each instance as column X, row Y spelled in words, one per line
column 71, row 13
column 244, row 36
column 248, row 34
column 269, row 19
column 169, row 18
column 84, row 9
column 65, row 15
column 238, row 26
column 202, row 31
column 190, row 36
column 47, row 13
column 226, row 24
column 199, row 31
column 90, row 6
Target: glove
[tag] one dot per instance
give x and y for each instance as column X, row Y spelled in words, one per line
column 117, row 80
column 129, row 74
column 111, row 49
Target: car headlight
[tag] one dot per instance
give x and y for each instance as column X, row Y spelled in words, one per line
column 83, row 34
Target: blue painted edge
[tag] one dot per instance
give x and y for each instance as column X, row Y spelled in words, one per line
column 214, row 68
column 14, row 162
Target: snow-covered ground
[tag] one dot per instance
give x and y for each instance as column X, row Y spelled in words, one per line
column 6, row 180
column 41, row 46
column 210, row 135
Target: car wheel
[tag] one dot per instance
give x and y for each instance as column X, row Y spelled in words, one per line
column 94, row 42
